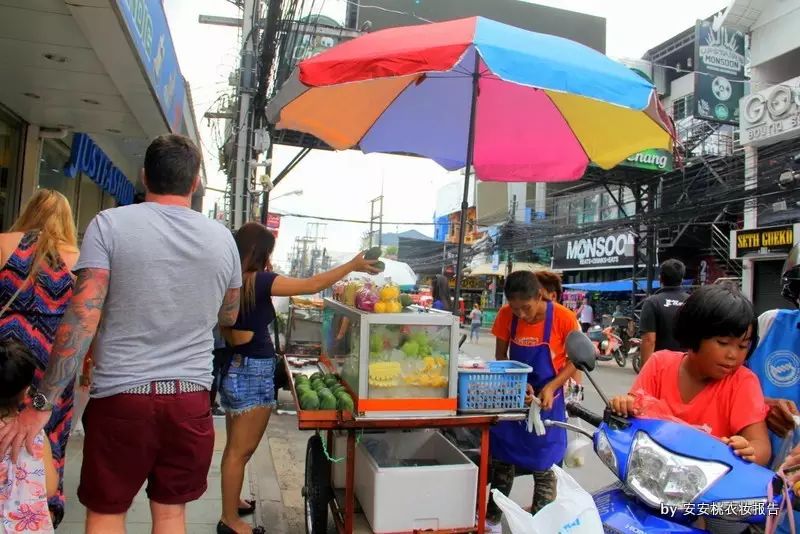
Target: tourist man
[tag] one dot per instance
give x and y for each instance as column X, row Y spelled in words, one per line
column 659, row 311
column 161, row 275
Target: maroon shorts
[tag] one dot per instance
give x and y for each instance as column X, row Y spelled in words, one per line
column 166, row 440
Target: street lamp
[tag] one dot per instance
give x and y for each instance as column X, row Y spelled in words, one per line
column 297, row 192
column 266, row 200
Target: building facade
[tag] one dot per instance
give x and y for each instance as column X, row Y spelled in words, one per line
column 87, row 86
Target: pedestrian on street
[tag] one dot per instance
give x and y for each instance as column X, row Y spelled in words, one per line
column 26, row 486
column 247, row 388
column 476, row 317
column 586, row 315
column 441, row 294
column 38, row 255
column 659, row 311
column 553, row 291
column 531, row 330
column 161, row 275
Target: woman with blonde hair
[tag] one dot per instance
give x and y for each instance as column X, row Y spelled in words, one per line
column 37, row 256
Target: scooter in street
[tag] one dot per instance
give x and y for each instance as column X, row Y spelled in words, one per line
column 608, row 345
column 674, row 478
column 635, row 353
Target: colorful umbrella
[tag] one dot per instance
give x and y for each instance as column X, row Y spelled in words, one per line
column 514, row 105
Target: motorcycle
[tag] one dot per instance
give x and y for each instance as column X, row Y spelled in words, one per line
column 608, row 345
column 635, row 354
column 671, row 474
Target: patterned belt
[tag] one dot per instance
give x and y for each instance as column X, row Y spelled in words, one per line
column 166, row 387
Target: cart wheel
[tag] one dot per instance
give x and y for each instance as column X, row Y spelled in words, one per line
column 619, row 358
column 317, row 490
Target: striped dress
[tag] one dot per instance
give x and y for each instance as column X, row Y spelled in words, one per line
column 32, row 320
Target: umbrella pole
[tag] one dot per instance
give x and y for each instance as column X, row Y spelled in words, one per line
column 462, row 230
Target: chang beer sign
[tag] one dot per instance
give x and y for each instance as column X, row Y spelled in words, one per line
column 652, row 159
column 720, row 67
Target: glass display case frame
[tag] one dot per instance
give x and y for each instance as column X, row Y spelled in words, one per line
column 361, row 325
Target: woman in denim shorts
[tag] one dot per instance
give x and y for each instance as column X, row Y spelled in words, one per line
column 246, row 391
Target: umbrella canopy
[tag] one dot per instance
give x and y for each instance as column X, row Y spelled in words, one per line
column 396, row 272
column 538, row 107
column 487, row 269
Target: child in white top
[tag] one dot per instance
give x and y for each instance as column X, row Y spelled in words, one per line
column 26, row 485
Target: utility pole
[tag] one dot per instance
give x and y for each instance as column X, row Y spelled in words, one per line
column 375, row 215
column 241, row 193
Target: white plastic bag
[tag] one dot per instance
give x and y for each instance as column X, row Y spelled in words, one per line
column 789, row 442
column 573, row 511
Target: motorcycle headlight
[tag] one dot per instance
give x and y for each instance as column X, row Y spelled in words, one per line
column 606, row 453
column 604, row 344
column 659, row 476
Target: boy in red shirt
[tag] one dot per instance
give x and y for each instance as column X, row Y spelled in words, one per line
column 708, row 386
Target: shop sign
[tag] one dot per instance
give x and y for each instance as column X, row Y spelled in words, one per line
column 147, row 26
column 653, row 159
column 273, row 221
column 761, row 241
column 771, row 115
column 596, row 252
column 719, row 80
column 88, row 158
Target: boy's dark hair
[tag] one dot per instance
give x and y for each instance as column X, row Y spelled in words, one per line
column 17, row 366
column 672, row 273
column 171, row 164
column 522, row 285
column 715, row 310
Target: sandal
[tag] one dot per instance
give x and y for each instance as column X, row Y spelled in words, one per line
column 222, row 528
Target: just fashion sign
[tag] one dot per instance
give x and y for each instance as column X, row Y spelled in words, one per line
column 596, row 252
column 88, row 158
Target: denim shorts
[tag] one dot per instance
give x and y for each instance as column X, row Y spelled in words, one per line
column 249, row 383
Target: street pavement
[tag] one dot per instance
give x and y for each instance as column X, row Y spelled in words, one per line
column 275, row 473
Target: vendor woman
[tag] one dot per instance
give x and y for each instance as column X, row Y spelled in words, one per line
column 532, row 330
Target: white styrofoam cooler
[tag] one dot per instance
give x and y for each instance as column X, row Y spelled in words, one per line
column 404, row 499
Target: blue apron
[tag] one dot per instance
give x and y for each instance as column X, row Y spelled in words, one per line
column 510, row 441
column 776, row 362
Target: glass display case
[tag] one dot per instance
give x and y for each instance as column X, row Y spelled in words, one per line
column 395, row 364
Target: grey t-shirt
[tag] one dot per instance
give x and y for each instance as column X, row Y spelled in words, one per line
column 170, row 268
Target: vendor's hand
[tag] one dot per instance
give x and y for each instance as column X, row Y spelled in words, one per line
column 780, row 419
column 623, row 405
column 546, row 396
column 528, row 394
column 741, row 448
column 362, row 265
column 791, row 466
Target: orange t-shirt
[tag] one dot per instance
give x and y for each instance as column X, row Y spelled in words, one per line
column 530, row 335
column 723, row 408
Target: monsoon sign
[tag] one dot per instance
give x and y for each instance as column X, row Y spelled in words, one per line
column 596, row 252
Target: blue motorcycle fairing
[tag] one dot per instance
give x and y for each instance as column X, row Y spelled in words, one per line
column 622, row 513
column 744, row 480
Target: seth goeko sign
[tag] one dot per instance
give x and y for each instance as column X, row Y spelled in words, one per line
column 760, row 241
column 596, row 252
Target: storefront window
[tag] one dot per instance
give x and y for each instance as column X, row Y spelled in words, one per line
column 51, row 170
column 90, row 202
column 591, row 208
column 9, row 151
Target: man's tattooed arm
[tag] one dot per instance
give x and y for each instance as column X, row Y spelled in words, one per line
column 229, row 311
column 76, row 331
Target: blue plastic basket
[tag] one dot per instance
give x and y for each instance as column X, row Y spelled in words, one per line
column 500, row 387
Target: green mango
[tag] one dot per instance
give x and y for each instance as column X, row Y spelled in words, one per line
column 344, row 402
column 300, row 388
column 309, row 401
column 373, row 254
column 300, row 378
column 324, row 392
column 331, row 380
column 317, row 384
column 380, row 266
column 405, row 300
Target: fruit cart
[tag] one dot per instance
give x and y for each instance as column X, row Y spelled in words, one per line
column 379, row 372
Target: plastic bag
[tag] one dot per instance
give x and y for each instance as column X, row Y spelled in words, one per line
column 573, row 511
column 576, row 447
column 791, row 440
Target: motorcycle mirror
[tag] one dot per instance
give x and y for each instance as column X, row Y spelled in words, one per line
column 581, row 351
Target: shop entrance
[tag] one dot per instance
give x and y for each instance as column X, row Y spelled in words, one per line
column 767, row 286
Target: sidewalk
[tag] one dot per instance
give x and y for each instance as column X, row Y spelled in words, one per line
column 202, row 515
